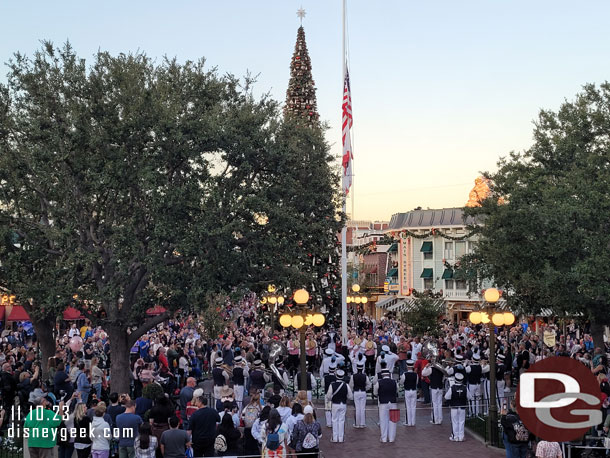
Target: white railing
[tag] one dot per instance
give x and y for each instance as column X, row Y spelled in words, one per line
column 460, row 294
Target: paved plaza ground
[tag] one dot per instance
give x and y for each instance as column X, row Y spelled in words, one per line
column 424, row 440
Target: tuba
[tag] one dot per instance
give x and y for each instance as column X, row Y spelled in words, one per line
column 430, row 350
column 276, row 351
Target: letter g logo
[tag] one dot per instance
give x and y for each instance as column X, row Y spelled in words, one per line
column 558, row 399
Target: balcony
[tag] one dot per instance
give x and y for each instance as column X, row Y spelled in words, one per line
column 459, row 294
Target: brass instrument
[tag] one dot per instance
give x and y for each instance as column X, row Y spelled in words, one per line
column 228, row 369
column 430, row 350
column 277, row 350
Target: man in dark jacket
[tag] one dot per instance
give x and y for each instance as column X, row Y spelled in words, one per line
column 8, row 386
column 516, row 436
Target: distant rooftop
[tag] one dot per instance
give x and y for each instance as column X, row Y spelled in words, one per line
column 443, row 217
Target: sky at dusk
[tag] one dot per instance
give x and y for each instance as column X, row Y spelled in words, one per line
column 441, row 89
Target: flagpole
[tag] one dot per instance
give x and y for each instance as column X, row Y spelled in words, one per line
column 344, row 229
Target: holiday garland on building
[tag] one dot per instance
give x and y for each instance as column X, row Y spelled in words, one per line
column 371, row 247
column 301, row 94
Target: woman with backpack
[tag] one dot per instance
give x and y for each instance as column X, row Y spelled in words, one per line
column 293, row 419
column 274, row 436
column 227, row 442
column 82, row 439
column 307, row 433
column 146, row 443
column 249, row 415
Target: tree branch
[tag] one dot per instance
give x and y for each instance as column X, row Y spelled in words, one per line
column 155, row 320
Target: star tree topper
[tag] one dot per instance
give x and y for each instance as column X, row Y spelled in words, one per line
column 301, row 14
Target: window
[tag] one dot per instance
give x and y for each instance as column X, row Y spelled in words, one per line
column 449, row 284
column 472, row 246
column 428, row 283
column 448, row 250
column 427, row 248
column 460, row 284
column 460, row 249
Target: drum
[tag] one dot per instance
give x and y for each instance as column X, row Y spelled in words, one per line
column 394, row 415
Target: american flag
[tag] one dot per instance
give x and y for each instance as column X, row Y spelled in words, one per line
column 348, row 157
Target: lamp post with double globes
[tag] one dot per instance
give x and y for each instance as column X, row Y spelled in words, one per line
column 356, row 299
column 271, row 298
column 491, row 296
column 300, row 319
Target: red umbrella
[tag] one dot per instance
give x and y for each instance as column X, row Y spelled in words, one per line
column 156, row 310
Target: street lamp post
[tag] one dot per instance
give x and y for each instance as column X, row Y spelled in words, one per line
column 491, row 296
column 356, row 299
column 301, row 319
column 271, row 298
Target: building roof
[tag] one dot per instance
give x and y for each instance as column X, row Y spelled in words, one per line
column 443, row 217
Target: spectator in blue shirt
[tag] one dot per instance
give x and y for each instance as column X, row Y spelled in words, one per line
column 128, row 424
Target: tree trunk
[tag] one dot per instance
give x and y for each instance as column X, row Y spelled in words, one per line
column 597, row 332
column 46, row 341
column 120, row 379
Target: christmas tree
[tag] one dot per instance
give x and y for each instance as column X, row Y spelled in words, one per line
column 301, row 94
column 318, row 259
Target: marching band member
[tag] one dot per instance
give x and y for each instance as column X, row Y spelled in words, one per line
column 485, row 386
column 353, row 344
column 310, row 380
column 280, row 383
column 457, row 395
column 409, row 380
column 329, row 379
column 387, row 390
column 328, row 360
column 474, row 374
column 293, row 354
column 500, row 383
column 311, row 349
column 220, row 377
column 258, row 377
column 240, row 374
column 338, row 393
column 370, row 349
column 358, row 359
column 436, row 391
column 360, row 384
column 389, row 358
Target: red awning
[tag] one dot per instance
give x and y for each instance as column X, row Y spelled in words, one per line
column 156, row 310
column 72, row 314
column 18, row 314
column 2, row 312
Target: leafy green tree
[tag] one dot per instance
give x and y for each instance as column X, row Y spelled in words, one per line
column 132, row 183
column 546, row 241
column 424, row 315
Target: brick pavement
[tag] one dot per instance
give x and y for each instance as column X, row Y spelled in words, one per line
column 424, row 440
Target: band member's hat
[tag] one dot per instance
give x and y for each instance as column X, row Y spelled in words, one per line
column 257, row 363
column 459, row 357
column 279, row 362
column 360, row 366
column 501, row 356
column 410, row 363
column 386, row 348
column 237, row 359
column 459, row 377
column 476, row 357
column 340, row 374
column 331, row 369
column 329, row 352
column 385, row 373
column 219, row 360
